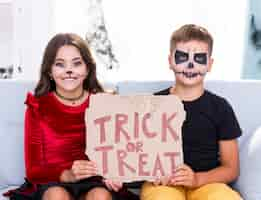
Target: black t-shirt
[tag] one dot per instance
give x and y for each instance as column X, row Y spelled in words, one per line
column 209, row 119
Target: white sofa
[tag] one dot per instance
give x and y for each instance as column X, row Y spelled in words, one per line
column 244, row 95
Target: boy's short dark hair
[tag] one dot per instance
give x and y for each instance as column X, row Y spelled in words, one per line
column 190, row 32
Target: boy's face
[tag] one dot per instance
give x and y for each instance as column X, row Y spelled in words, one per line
column 190, row 62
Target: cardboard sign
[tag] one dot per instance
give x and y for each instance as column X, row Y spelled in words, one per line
column 134, row 137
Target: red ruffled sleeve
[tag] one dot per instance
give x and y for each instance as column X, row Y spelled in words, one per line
column 37, row 170
column 32, row 101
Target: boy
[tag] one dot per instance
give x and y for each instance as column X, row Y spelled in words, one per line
column 209, row 132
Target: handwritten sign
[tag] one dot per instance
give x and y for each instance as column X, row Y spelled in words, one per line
column 134, row 137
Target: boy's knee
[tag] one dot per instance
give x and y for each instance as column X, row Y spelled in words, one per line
column 215, row 191
column 151, row 192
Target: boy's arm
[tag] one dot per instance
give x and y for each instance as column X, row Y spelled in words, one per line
column 229, row 130
column 229, row 168
column 225, row 173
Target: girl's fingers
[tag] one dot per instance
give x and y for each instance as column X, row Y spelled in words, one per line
column 113, row 185
column 84, row 163
column 108, row 185
column 80, row 177
column 84, row 169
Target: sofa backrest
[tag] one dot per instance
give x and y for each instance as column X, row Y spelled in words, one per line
column 12, row 97
column 243, row 96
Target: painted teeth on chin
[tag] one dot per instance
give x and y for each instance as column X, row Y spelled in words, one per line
column 190, row 74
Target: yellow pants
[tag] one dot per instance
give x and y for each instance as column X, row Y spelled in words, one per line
column 214, row 191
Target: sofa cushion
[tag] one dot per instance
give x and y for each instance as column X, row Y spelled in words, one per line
column 12, row 107
column 249, row 181
column 12, row 172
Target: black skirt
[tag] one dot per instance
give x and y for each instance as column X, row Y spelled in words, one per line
column 29, row 191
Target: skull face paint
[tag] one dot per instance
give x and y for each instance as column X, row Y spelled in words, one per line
column 190, row 64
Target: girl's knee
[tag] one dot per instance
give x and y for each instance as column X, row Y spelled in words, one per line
column 98, row 193
column 56, row 193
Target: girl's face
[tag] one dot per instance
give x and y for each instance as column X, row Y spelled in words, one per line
column 69, row 71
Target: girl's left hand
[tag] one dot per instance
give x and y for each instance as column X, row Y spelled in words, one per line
column 113, row 185
column 184, row 176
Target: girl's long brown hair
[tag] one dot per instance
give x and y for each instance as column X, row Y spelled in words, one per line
column 46, row 84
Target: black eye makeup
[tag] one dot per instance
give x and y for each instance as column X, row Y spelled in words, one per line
column 200, row 58
column 77, row 63
column 181, row 56
column 59, row 64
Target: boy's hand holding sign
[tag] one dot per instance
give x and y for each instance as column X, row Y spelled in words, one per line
column 135, row 137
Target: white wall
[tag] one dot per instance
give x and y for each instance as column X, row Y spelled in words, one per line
column 6, row 34
column 31, row 33
column 139, row 31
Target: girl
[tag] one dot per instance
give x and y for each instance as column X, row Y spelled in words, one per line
column 56, row 165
